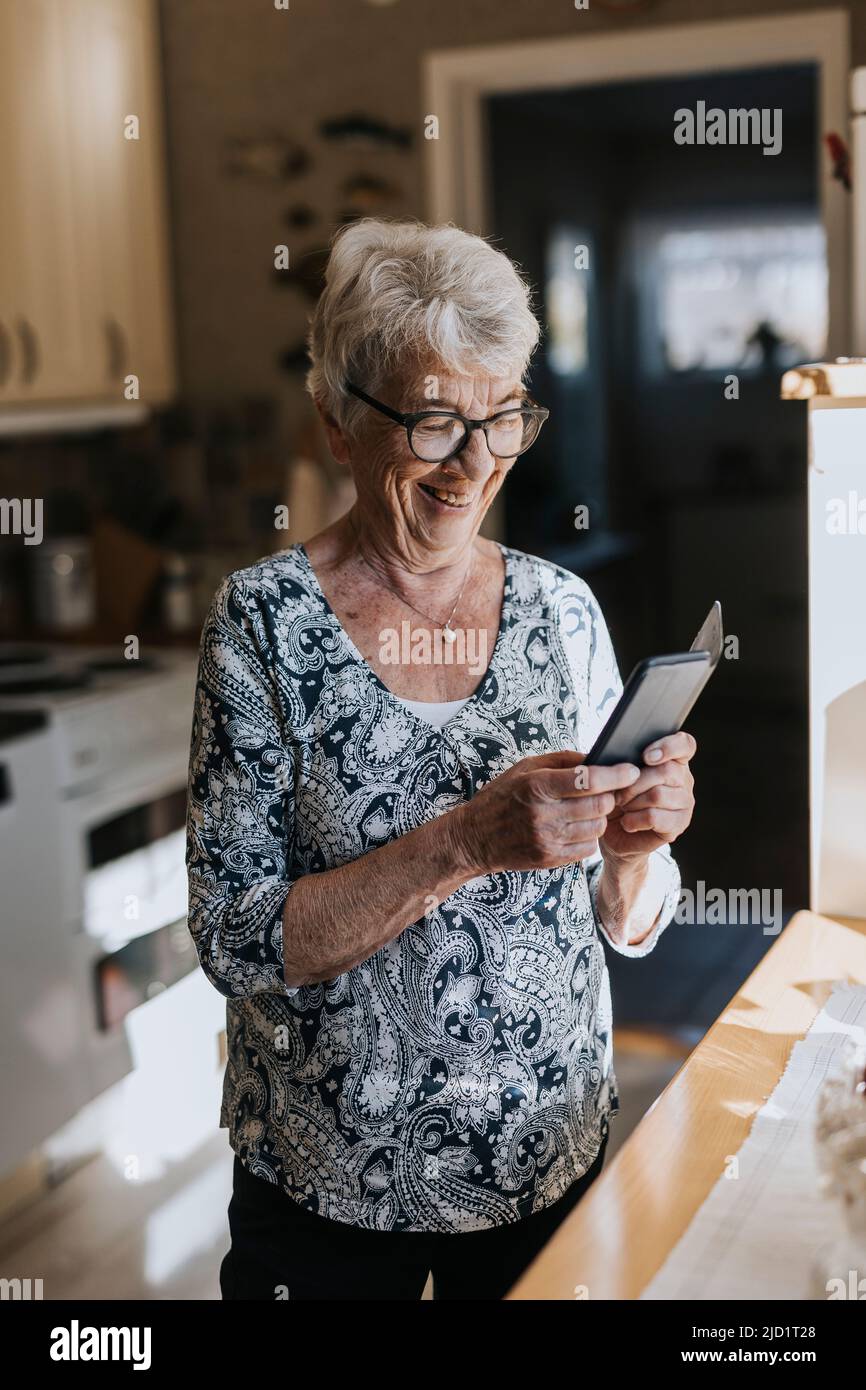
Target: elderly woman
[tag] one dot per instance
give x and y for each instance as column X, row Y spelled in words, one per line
column 399, row 864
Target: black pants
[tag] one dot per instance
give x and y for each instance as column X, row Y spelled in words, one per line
column 280, row 1250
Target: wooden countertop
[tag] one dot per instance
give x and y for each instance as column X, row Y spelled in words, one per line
column 620, row 1233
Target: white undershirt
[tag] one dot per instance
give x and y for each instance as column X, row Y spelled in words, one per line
column 436, row 712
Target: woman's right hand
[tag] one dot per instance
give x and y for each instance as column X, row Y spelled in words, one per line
column 542, row 813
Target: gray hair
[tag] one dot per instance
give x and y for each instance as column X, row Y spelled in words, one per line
column 403, row 292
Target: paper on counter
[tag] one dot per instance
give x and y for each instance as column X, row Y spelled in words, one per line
column 757, row 1236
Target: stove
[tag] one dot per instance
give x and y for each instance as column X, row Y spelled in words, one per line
column 94, row 793
column 41, row 669
column 110, row 713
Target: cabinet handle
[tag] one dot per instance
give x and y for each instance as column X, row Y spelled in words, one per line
column 5, row 354
column 30, row 356
column 116, row 341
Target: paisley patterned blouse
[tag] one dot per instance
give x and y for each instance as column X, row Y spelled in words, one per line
column 461, row 1077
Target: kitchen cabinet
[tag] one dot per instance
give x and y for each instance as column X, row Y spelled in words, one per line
column 40, row 314
column 8, row 233
column 84, row 268
column 836, row 525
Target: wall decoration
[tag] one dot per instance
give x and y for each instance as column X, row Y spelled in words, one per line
column 300, row 216
column 267, row 158
column 365, row 131
column 368, row 192
column 358, row 193
column 307, row 273
column 623, row 5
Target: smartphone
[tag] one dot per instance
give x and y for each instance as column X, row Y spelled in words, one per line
column 658, row 697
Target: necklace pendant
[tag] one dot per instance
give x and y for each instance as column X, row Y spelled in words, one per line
column 449, row 634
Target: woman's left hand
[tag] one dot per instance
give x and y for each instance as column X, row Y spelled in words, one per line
column 658, row 807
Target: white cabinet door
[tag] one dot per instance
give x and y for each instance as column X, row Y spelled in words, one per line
column 85, row 309
column 8, row 223
column 154, row 348
column 41, row 297
column 117, row 138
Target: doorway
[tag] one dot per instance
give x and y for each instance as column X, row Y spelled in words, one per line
column 675, row 283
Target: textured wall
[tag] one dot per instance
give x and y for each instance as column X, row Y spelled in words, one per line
column 242, row 68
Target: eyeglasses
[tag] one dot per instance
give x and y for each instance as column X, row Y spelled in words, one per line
column 438, row 435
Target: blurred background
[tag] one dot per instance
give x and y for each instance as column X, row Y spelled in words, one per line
column 170, row 176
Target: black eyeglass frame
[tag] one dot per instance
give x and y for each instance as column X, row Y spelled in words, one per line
column 409, row 422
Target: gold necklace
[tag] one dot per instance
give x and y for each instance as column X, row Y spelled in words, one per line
column 448, row 631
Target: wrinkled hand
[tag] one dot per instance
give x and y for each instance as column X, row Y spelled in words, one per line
column 656, row 808
column 543, row 812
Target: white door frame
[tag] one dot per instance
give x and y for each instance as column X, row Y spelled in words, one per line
column 456, row 82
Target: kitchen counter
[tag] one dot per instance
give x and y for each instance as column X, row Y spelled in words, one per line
column 622, row 1231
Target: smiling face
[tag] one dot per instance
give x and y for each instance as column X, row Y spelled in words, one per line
column 416, row 511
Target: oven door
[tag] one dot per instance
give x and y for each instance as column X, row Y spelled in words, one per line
column 128, row 880
column 43, row 1079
